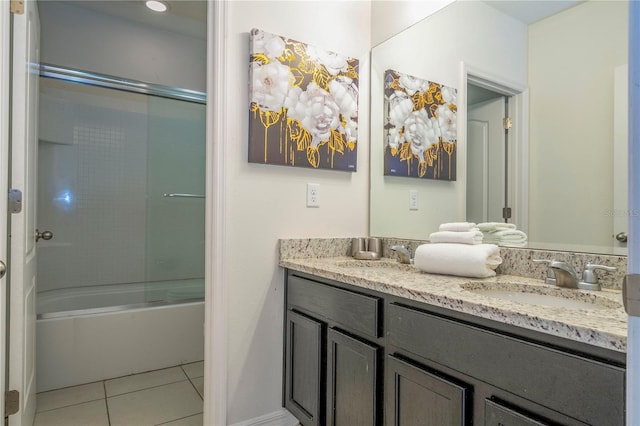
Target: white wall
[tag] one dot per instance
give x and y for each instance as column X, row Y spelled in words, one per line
column 265, row 202
column 572, row 57
column 389, row 17
column 433, row 49
column 77, row 37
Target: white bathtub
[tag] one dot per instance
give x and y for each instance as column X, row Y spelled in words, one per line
column 88, row 334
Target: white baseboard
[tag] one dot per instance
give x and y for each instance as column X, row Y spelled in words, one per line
column 277, row 418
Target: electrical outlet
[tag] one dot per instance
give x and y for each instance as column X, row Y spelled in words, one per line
column 313, row 195
column 413, row 199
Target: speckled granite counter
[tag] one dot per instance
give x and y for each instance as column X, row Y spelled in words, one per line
column 605, row 328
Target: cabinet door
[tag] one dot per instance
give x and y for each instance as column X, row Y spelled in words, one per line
column 416, row 397
column 352, row 382
column 303, row 365
column 498, row 415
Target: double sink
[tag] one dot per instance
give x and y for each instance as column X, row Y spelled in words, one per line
column 513, row 291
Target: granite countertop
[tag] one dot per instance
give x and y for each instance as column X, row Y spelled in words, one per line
column 605, row 327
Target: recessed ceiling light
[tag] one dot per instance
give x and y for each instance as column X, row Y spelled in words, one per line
column 156, row 6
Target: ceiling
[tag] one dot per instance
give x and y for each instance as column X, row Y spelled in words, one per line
column 530, row 11
column 187, row 17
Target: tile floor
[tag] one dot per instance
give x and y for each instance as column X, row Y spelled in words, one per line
column 169, row 397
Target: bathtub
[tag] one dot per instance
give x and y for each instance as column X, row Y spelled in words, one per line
column 88, row 334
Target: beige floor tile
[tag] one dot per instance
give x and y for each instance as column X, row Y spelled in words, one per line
column 69, row 396
column 198, row 382
column 138, row 382
column 187, row 421
column 155, row 405
column 195, row 369
column 92, row 413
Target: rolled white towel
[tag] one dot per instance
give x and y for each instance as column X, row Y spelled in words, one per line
column 476, row 261
column 457, row 226
column 513, row 236
column 468, row 237
column 495, row 226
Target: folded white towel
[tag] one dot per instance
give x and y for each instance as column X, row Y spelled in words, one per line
column 468, row 237
column 495, row 226
column 506, row 236
column 457, row 226
column 465, row 260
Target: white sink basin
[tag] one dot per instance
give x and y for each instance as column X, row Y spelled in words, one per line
column 543, row 296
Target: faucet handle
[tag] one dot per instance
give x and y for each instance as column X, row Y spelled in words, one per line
column 589, row 277
column 551, row 276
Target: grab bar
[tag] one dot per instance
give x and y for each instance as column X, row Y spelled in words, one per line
column 175, row 195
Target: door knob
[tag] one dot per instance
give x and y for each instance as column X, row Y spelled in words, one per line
column 46, row 235
column 622, row 237
column 3, row 269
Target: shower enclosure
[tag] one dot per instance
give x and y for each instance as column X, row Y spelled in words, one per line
column 121, row 183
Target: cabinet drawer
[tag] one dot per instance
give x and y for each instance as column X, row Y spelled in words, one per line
column 498, row 415
column 587, row 390
column 352, row 311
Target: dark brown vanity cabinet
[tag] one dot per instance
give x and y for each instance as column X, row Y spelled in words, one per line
column 515, row 381
column 332, row 358
column 357, row 357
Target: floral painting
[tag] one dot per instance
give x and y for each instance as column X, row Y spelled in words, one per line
column 303, row 106
column 421, row 127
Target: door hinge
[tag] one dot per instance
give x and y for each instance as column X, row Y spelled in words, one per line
column 507, row 123
column 631, row 294
column 16, row 6
column 15, row 201
column 11, row 402
column 506, row 213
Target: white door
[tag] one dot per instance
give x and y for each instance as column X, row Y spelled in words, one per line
column 24, row 142
column 5, row 36
column 477, row 171
column 620, row 154
column 488, row 115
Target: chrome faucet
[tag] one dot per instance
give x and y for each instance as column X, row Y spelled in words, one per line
column 589, row 279
column 551, row 276
column 404, row 254
column 565, row 275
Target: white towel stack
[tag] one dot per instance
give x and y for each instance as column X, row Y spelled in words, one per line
column 464, row 260
column 458, row 226
column 458, row 233
column 504, row 234
column 457, row 249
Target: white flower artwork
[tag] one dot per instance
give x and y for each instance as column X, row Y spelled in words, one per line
column 420, row 129
column 303, row 104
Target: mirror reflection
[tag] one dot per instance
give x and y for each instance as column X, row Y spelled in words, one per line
column 558, row 71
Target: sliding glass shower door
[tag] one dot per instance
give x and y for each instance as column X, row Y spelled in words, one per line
column 121, row 180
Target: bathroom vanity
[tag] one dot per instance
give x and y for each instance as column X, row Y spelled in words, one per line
column 382, row 343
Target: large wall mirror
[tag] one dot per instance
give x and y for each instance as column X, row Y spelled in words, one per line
column 558, row 69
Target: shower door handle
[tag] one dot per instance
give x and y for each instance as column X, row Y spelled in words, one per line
column 46, row 235
column 3, row 269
